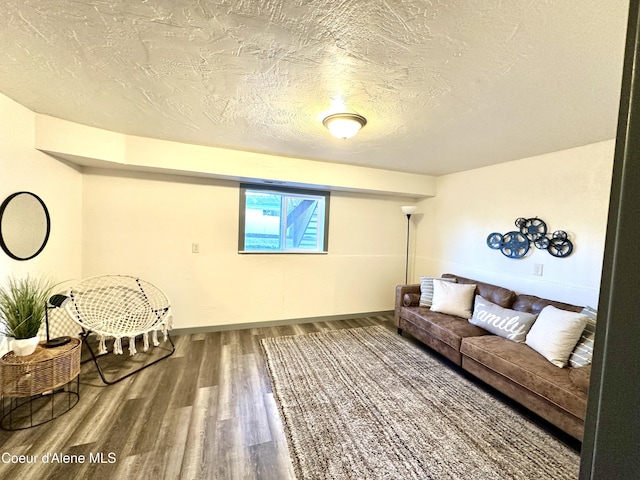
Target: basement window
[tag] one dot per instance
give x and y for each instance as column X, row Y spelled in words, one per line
column 283, row 220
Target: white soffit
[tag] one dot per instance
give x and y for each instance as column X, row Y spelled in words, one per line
column 93, row 147
column 445, row 85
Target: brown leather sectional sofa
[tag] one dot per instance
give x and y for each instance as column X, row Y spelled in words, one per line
column 558, row 395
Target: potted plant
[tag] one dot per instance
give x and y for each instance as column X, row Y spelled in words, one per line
column 22, row 309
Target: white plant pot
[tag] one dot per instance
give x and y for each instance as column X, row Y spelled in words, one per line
column 25, row 346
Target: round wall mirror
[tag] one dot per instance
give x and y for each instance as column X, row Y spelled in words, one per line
column 24, row 225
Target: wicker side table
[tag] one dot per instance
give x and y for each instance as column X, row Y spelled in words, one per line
column 39, row 387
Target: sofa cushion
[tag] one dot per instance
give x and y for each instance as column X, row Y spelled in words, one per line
column 524, row 366
column 411, row 299
column 426, row 289
column 580, row 377
column 452, row 298
column 533, row 304
column 505, row 322
column 498, row 295
column 555, row 333
column 446, row 328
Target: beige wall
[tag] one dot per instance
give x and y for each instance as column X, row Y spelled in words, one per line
column 569, row 190
column 22, row 168
column 144, row 224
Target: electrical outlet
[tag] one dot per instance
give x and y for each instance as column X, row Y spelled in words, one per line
column 537, row 269
column 195, row 248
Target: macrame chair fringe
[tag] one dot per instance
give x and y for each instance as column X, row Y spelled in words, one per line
column 132, row 346
column 117, row 342
column 117, row 307
column 117, row 346
column 102, row 347
column 164, row 332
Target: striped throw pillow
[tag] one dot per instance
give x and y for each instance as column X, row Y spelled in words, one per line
column 583, row 352
column 426, row 289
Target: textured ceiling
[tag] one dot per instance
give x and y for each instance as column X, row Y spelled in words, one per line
column 445, row 85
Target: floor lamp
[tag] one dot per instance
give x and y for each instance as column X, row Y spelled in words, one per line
column 408, row 210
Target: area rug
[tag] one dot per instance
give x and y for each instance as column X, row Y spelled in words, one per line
column 364, row 403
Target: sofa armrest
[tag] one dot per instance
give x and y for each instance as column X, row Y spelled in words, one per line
column 411, row 300
column 401, row 291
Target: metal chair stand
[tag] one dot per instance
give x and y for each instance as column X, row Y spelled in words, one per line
column 97, row 356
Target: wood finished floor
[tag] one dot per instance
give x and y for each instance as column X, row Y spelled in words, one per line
column 207, row 412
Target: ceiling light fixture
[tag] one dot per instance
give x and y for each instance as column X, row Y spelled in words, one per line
column 344, row 125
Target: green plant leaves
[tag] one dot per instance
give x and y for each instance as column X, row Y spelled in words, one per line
column 22, row 306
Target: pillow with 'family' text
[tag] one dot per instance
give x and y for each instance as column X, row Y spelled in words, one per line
column 504, row 322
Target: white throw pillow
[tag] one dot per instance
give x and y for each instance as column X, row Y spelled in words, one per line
column 426, row 289
column 555, row 333
column 453, row 298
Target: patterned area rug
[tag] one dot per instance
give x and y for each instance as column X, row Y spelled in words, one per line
column 365, row 403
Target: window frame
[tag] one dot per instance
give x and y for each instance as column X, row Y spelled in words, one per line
column 284, row 191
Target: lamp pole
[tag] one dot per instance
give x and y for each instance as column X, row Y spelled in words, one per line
column 406, row 266
column 408, row 210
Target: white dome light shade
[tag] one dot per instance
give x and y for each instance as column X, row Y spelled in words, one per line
column 408, row 209
column 344, row 125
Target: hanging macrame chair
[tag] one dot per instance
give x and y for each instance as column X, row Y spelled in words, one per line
column 118, row 307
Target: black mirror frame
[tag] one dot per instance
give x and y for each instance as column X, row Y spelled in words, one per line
column 46, row 237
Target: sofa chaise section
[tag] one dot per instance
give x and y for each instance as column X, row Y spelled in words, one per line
column 559, row 395
column 529, row 379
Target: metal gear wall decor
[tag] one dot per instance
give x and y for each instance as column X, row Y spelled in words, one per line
column 516, row 244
